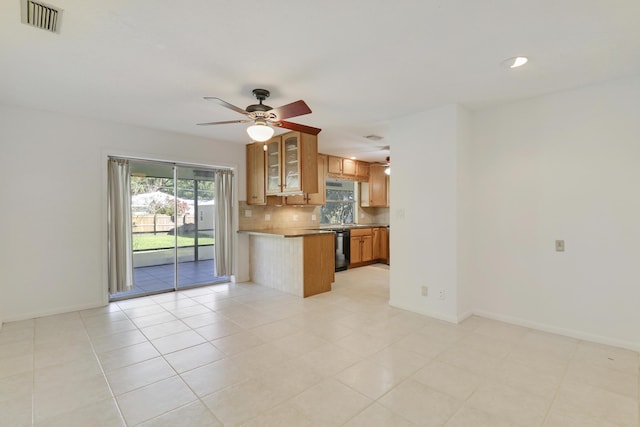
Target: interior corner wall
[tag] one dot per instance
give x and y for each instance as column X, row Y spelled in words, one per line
column 560, row 167
column 424, row 212
column 54, row 202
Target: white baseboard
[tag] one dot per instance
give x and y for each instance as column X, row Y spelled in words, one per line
column 572, row 333
column 62, row 310
column 434, row 314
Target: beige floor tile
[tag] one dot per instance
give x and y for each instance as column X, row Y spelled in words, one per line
column 153, row 319
column 291, row 377
column 164, row 329
column 16, row 412
column 16, row 348
column 210, row 378
column 62, row 354
column 447, row 379
column 369, row 378
column 236, row 343
column 194, row 414
column 364, row 344
column 420, row 404
column 555, row 345
column 607, row 357
column 14, row 365
column 104, row 413
column 566, row 416
column 486, row 344
column 330, row 359
column 471, row 360
column 243, row 401
column 472, row 417
column 110, row 328
column 69, row 396
column 147, row 310
column 194, row 357
column 116, row 341
column 377, row 415
column 179, row 341
column 154, row 400
column 525, row 378
column 223, row 328
column 19, row 386
column 139, row 375
column 203, row 319
column 597, row 403
column 66, row 373
column 443, row 331
column 287, row 414
column 275, row 330
column 127, row 356
column 299, row 344
column 502, row 331
column 331, row 402
column 620, row 382
column 422, row 344
column 400, row 361
column 515, row 405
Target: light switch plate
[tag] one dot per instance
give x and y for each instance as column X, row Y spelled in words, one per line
column 559, row 245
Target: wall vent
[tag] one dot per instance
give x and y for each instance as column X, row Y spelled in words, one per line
column 40, row 15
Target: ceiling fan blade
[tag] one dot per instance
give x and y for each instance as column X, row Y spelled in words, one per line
column 223, row 123
column 298, row 108
column 225, row 104
column 298, row 127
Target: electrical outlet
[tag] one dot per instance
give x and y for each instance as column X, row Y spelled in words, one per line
column 559, row 245
column 425, row 291
column 313, row 217
column 248, row 213
column 442, row 294
column 267, row 217
column 295, row 217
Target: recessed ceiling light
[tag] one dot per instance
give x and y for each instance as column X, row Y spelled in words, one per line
column 353, row 157
column 515, row 62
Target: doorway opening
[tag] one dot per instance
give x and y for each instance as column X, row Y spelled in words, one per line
column 172, row 228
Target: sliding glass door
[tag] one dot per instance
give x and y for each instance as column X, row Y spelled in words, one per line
column 172, row 228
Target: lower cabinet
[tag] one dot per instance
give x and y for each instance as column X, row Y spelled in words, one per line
column 368, row 245
column 361, row 245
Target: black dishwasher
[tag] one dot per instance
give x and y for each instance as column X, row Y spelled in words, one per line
column 343, row 244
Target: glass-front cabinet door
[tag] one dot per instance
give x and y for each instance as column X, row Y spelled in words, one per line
column 291, row 164
column 273, row 162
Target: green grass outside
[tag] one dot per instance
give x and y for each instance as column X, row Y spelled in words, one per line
column 144, row 242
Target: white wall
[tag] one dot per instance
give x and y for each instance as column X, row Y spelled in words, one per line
column 563, row 166
column 54, row 202
column 424, row 210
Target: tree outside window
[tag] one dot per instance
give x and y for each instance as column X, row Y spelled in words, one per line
column 340, row 204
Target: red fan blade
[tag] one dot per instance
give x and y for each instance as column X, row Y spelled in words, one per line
column 297, row 127
column 298, row 108
column 223, row 123
column 225, row 104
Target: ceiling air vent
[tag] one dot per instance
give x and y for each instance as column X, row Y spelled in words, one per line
column 40, row 15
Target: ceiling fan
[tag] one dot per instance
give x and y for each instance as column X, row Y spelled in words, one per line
column 264, row 116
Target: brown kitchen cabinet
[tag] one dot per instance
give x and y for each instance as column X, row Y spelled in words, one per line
column 361, row 246
column 374, row 193
column 315, row 199
column 255, row 174
column 342, row 166
column 291, row 164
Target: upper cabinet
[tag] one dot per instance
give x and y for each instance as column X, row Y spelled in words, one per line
column 374, row 193
column 255, row 175
column 291, row 164
column 342, row 166
column 318, row 198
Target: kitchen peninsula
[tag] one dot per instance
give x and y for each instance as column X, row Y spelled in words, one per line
column 297, row 261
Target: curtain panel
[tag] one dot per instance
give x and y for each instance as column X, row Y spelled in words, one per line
column 223, row 188
column 119, row 223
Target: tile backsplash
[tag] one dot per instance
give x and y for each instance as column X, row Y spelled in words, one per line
column 269, row 217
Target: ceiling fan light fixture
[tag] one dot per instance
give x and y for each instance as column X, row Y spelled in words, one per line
column 260, row 131
column 515, row 62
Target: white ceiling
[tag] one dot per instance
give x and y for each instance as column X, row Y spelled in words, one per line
column 357, row 63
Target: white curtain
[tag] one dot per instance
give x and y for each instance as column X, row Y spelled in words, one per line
column 119, row 217
column 223, row 188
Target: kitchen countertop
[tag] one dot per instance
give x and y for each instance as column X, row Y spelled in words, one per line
column 286, row 232
column 300, row 232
